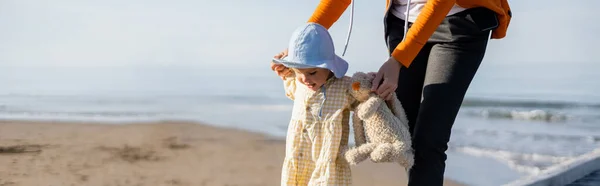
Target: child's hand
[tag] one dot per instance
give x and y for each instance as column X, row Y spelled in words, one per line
column 279, row 69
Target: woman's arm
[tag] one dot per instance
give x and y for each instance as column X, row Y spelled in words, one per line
column 431, row 16
column 328, row 12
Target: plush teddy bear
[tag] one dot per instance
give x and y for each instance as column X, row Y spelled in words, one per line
column 381, row 129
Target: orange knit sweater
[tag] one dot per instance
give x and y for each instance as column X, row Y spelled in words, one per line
column 329, row 11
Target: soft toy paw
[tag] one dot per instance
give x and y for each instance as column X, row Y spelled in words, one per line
column 381, row 130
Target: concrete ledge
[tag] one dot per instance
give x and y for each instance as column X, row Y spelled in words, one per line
column 563, row 173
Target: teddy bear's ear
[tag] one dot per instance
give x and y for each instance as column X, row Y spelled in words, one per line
column 356, row 86
column 372, row 74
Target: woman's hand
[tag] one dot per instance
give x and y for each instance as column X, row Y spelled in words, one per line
column 388, row 72
column 279, row 69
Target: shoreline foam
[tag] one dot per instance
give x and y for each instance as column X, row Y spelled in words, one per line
column 563, row 173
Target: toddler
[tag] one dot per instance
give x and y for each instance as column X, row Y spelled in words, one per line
column 314, row 78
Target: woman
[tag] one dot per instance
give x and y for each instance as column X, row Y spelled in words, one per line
column 433, row 66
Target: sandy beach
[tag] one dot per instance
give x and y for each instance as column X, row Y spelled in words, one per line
column 160, row 153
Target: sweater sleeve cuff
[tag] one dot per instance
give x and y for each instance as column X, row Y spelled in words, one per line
column 406, row 52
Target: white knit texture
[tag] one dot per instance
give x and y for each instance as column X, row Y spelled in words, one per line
column 381, row 131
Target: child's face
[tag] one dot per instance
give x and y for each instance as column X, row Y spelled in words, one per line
column 313, row 78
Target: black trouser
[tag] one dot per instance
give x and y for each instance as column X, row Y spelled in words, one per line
column 432, row 89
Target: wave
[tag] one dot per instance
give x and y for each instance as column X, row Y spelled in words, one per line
column 474, row 102
column 79, row 113
column 559, row 143
column 126, row 112
column 270, row 108
column 572, row 138
column 119, row 118
column 531, row 110
column 532, row 115
column 531, row 163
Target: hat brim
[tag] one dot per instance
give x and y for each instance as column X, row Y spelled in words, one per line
column 291, row 64
column 338, row 66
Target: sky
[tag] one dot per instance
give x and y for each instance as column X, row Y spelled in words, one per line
column 244, row 34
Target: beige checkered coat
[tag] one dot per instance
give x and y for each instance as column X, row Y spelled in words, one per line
column 318, row 134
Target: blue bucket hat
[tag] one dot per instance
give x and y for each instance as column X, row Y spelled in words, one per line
column 311, row 46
